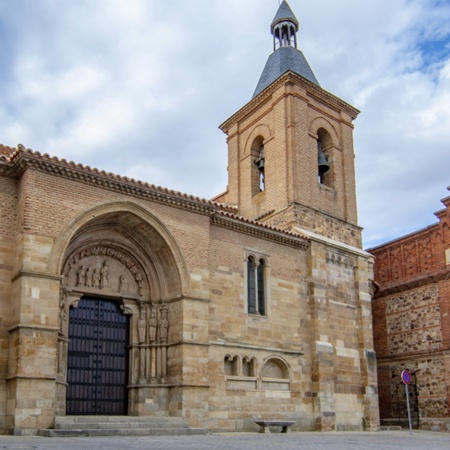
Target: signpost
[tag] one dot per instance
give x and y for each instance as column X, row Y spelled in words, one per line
column 406, row 378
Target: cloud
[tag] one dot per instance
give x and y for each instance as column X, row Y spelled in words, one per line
column 138, row 87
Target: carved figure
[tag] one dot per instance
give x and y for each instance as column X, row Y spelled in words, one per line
column 138, row 279
column 126, row 310
column 89, row 273
column 104, row 275
column 141, row 326
column 96, row 277
column 81, row 276
column 62, row 312
column 163, row 323
column 123, row 284
column 153, row 323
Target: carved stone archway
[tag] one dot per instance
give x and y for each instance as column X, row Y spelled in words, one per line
column 107, row 259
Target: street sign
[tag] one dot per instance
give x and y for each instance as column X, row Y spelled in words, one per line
column 406, row 377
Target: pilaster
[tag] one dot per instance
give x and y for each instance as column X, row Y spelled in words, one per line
column 322, row 350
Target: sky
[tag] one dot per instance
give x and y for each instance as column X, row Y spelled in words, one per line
column 139, row 88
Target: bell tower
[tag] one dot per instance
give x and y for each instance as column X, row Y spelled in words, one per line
column 290, row 148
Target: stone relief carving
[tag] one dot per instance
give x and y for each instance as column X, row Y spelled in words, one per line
column 126, row 310
column 142, row 324
column 163, row 323
column 103, row 267
column 336, row 258
column 62, row 311
column 104, row 275
column 153, row 323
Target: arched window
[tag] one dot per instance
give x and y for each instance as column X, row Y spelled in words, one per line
column 251, row 286
column 256, row 286
column 324, row 169
column 258, row 174
column 260, row 272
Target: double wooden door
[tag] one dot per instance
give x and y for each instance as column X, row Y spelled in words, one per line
column 97, row 369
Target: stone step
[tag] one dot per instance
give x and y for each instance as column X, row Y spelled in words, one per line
column 115, row 419
column 122, row 432
column 390, row 428
column 119, row 426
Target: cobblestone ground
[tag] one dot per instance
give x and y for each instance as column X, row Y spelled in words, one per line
column 241, row 441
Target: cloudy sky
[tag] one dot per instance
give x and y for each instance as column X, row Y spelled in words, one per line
column 139, row 87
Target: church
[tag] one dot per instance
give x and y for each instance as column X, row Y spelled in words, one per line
column 120, row 298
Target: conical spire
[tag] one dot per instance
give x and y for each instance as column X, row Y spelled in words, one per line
column 285, row 56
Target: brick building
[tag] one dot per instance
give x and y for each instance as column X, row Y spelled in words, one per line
column 411, row 319
column 118, row 297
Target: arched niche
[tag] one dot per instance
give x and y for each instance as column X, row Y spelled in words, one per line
column 275, row 368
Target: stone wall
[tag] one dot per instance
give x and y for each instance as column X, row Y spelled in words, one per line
column 317, row 222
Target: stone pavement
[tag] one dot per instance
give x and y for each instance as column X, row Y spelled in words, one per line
column 241, row 441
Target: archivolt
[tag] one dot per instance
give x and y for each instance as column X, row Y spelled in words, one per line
column 140, row 226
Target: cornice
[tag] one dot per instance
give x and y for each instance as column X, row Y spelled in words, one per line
column 22, row 159
column 240, row 345
column 32, row 274
column 260, row 230
column 312, row 90
column 413, row 284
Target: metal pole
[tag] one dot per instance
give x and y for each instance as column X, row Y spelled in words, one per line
column 409, row 410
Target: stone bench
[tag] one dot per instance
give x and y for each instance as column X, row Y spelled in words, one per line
column 284, row 424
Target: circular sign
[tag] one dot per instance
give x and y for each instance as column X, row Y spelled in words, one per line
column 406, row 377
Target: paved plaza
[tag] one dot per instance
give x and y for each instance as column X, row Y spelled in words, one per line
column 241, row 441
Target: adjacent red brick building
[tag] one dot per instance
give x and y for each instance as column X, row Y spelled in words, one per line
column 411, row 318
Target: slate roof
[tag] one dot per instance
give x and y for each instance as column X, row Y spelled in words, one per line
column 281, row 61
column 284, row 13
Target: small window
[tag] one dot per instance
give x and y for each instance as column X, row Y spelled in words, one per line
column 256, row 286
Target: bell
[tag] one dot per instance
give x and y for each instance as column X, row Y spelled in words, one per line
column 324, row 167
column 260, row 160
column 260, row 163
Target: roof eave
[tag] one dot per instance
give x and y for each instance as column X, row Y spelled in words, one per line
column 289, row 75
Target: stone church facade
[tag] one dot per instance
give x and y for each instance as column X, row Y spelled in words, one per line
column 411, row 319
column 118, row 297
